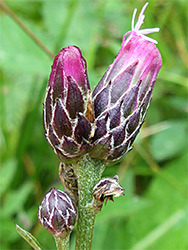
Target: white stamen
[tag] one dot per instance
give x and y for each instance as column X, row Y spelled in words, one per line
column 139, row 23
column 148, row 31
column 148, row 39
column 134, row 14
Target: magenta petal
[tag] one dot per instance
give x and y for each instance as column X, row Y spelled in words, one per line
column 74, row 65
column 69, row 62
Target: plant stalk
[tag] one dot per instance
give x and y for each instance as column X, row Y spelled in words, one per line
column 26, row 29
column 62, row 243
column 89, row 172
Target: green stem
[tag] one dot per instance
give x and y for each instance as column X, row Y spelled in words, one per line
column 62, row 244
column 88, row 172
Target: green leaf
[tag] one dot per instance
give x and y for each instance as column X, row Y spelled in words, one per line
column 170, row 142
column 18, row 198
column 107, row 225
column 18, row 52
column 154, row 235
column 127, row 206
column 28, row 237
column 7, row 172
column 164, row 219
column 83, row 37
column 54, row 14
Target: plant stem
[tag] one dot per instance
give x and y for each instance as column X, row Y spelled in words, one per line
column 88, row 172
column 62, row 244
column 26, row 29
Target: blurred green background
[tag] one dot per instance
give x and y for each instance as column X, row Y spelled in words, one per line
column 153, row 214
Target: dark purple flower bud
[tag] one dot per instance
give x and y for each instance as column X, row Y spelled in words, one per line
column 57, row 213
column 68, row 108
column 122, row 97
column 106, row 188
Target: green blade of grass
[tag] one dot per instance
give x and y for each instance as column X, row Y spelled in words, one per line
column 28, row 237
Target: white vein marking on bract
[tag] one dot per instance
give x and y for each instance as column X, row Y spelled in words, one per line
column 44, row 108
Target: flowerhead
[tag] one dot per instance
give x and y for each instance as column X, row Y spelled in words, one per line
column 66, row 106
column 122, row 97
column 105, row 124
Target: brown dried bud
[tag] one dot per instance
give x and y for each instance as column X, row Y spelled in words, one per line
column 106, row 188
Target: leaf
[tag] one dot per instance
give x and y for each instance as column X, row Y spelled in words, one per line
column 170, row 142
column 154, row 235
column 18, row 52
column 121, row 207
column 82, row 33
column 54, row 14
column 18, row 198
column 28, row 237
column 7, row 172
column 164, row 219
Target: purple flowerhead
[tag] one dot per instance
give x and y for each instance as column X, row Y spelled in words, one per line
column 57, row 213
column 67, row 104
column 122, row 97
column 106, row 123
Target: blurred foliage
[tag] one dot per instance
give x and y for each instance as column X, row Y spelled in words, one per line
column 153, row 214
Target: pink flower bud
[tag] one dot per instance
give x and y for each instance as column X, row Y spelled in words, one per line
column 66, row 121
column 122, row 97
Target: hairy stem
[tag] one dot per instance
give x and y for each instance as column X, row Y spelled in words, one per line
column 88, row 172
column 62, row 244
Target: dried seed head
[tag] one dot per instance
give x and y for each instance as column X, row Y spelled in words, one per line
column 106, row 188
column 57, row 213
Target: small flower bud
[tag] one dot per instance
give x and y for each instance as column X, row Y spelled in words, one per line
column 122, row 97
column 106, row 188
column 68, row 107
column 57, row 213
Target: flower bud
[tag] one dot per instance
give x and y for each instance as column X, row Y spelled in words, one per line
column 67, row 106
column 57, row 213
column 106, row 188
column 122, row 97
